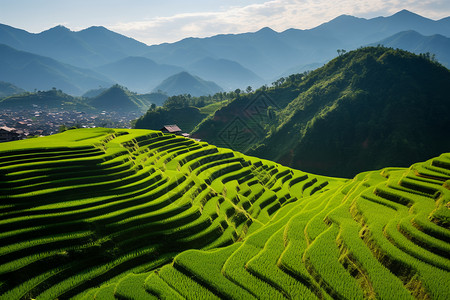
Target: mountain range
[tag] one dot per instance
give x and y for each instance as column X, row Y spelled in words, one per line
column 68, row 59
column 31, row 71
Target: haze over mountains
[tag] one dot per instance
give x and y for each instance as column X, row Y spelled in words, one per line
column 78, row 61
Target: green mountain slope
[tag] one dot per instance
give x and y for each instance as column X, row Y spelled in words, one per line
column 364, row 110
column 148, row 215
column 185, row 83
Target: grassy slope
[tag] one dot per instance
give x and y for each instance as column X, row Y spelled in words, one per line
column 127, row 209
column 89, row 206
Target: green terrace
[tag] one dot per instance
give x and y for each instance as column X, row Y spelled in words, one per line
column 137, row 214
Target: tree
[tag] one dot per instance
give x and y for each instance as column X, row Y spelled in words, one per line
column 341, row 52
column 249, row 89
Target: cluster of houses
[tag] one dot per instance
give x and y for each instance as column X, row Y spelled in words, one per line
column 16, row 125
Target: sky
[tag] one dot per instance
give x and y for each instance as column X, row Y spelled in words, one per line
column 156, row 22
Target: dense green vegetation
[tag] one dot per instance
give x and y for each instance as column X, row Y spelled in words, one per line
column 136, row 214
column 185, row 110
column 364, row 110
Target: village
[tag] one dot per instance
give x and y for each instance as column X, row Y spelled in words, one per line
column 17, row 125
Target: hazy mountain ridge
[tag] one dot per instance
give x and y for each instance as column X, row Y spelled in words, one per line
column 231, row 60
column 31, row 71
column 267, row 52
column 90, row 47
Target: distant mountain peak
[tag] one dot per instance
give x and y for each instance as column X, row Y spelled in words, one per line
column 58, row 28
column 99, row 29
column 266, row 30
column 404, row 13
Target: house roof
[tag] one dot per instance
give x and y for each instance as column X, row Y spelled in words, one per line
column 171, row 128
column 6, row 128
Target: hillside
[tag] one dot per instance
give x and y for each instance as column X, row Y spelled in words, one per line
column 183, row 110
column 363, row 110
column 31, row 72
column 135, row 214
column 185, row 83
column 8, row 89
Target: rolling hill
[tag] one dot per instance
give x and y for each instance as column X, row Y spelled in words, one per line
column 366, row 109
column 185, row 83
column 137, row 214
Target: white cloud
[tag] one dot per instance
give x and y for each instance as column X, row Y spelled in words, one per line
column 277, row 14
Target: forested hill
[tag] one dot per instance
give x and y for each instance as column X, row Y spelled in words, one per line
column 365, row 109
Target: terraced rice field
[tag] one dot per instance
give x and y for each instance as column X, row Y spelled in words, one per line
column 136, row 214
